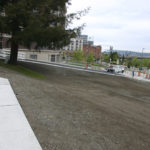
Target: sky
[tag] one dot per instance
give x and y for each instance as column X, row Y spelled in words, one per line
column 123, row 24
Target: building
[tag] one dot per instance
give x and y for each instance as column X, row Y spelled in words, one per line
column 44, row 54
column 84, row 38
column 78, row 42
column 75, row 44
column 95, row 50
column 90, row 43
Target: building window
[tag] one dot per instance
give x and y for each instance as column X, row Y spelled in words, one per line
column 72, row 48
column 33, row 57
column 52, row 58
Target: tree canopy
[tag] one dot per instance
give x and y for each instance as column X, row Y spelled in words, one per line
column 90, row 58
column 114, row 56
column 138, row 63
column 78, row 55
column 43, row 22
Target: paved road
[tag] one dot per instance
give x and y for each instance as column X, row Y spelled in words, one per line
column 73, row 67
column 76, row 110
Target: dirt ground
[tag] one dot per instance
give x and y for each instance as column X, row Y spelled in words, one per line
column 75, row 110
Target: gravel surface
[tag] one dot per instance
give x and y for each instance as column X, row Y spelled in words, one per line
column 75, row 110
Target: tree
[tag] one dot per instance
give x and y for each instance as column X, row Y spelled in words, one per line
column 114, row 56
column 90, row 58
column 146, row 63
column 78, row 55
column 106, row 57
column 129, row 63
column 135, row 62
column 43, row 22
column 111, row 53
column 63, row 55
column 123, row 59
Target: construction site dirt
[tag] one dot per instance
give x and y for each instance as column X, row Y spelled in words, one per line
column 76, row 110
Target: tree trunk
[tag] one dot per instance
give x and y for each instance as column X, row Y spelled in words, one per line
column 14, row 53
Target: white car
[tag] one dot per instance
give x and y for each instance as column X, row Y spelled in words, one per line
column 115, row 69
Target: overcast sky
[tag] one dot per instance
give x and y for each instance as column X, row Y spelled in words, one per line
column 124, row 24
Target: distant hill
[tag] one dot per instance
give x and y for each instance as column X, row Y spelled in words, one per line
column 129, row 53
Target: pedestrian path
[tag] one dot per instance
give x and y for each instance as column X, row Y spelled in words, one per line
column 15, row 131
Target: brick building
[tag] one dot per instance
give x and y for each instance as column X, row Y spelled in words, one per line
column 95, row 50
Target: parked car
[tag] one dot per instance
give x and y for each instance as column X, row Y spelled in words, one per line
column 115, row 69
column 110, row 69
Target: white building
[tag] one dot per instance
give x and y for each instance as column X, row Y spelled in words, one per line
column 84, row 38
column 75, row 44
column 87, row 40
column 43, row 55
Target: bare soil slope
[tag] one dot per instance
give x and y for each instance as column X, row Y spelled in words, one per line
column 74, row 110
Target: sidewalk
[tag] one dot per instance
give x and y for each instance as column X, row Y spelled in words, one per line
column 15, row 131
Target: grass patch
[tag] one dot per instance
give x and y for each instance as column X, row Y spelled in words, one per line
column 96, row 65
column 23, row 70
column 99, row 65
column 77, row 63
column 71, row 62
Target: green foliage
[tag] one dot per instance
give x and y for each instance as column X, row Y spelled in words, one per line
column 40, row 21
column 78, row 55
column 146, row 63
column 138, row 63
column 63, row 55
column 114, row 56
column 122, row 60
column 135, row 62
column 43, row 22
column 129, row 63
column 90, row 58
column 106, row 57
